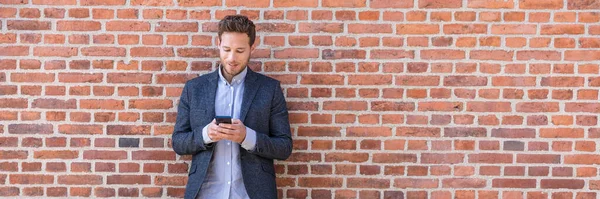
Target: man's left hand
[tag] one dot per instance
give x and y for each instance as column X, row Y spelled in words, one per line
column 236, row 131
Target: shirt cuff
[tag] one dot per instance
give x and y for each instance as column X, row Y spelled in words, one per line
column 205, row 136
column 249, row 142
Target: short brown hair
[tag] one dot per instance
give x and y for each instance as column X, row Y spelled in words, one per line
column 237, row 23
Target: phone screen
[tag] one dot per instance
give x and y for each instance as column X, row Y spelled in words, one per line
column 223, row 119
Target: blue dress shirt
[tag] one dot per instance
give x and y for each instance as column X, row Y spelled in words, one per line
column 224, row 176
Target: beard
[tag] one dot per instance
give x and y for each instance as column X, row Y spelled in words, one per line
column 233, row 73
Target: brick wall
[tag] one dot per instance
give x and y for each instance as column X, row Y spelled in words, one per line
column 387, row 98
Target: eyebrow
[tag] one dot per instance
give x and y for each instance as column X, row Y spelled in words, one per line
column 240, row 48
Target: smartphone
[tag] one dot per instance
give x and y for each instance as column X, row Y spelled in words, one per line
column 223, row 119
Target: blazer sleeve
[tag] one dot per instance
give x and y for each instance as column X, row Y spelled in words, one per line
column 186, row 141
column 277, row 144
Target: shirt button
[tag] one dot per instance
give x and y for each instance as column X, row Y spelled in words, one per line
column 230, row 105
column 229, row 182
column 228, row 143
column 227, row 163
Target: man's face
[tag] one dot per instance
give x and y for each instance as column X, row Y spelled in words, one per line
column 234, row 52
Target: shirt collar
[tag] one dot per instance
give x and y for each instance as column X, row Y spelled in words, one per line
column 239, row 78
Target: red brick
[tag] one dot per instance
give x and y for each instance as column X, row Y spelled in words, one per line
column 538, row 158
column 128, row 179
column 78, row 25
column 369, row 28
column 30, row 128
column 28, row 25
column 127, row 26
column 197, row 52
column 453, row 158
column 104, row 155
column 346, row 157
column 394, row 158
column 533, row 107
column 153, row 155
column 152, row 191
column 323, row 182
column 490, row 158
column 102, row 3
column 80, row 179
column 253, row 4
column 80, row 191
column 562, row 184
column 513, row 133
column 418, row 132
column 489, row 106
column 368, row 183
column 465, row 29
column 13, row 103
column 152, row 52
column 369, row 79
column 47, row 154
column 33, row 191
column 275, row 27
column 177, row 27
column 514, row 183
column 464, row 183
column 151, row 3
column 350, row 3
column 582, row 5
column 296, row 53
column 55, row 51
column 561, row 29
column 101, row 104
column 144, row 78
column 491, row 4
column 440, row 3
column 547, row 4
column 150, row 104
column 561, row 133
column 127, row 130
column 392, row 54
column 582, row 55
column 13, row 51
column 80, row 129
column 391, row 3
column 287, row 3
column 103, row 51
column 104, row 192
column 30, row 179
column 193, row 3
column 392, row 106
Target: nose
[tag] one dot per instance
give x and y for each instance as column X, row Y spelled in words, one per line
column 231, row 57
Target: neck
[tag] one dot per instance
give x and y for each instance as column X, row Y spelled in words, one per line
column 226, row 75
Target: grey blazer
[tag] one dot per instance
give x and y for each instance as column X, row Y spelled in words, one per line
column 263, row 110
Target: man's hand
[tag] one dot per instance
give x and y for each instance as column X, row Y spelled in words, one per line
column 213, row 131
column 236, row 131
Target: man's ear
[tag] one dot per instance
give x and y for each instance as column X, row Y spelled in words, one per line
column 253, row 47
column 218, row 42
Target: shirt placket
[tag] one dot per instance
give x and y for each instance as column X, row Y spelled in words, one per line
column 230, row 98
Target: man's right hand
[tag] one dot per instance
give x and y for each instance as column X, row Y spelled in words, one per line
column 213, row 132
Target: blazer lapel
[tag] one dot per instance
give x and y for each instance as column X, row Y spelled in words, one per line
column 250, row 89
column 209, row 94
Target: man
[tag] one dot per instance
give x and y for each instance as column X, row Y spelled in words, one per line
column 233, row 160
